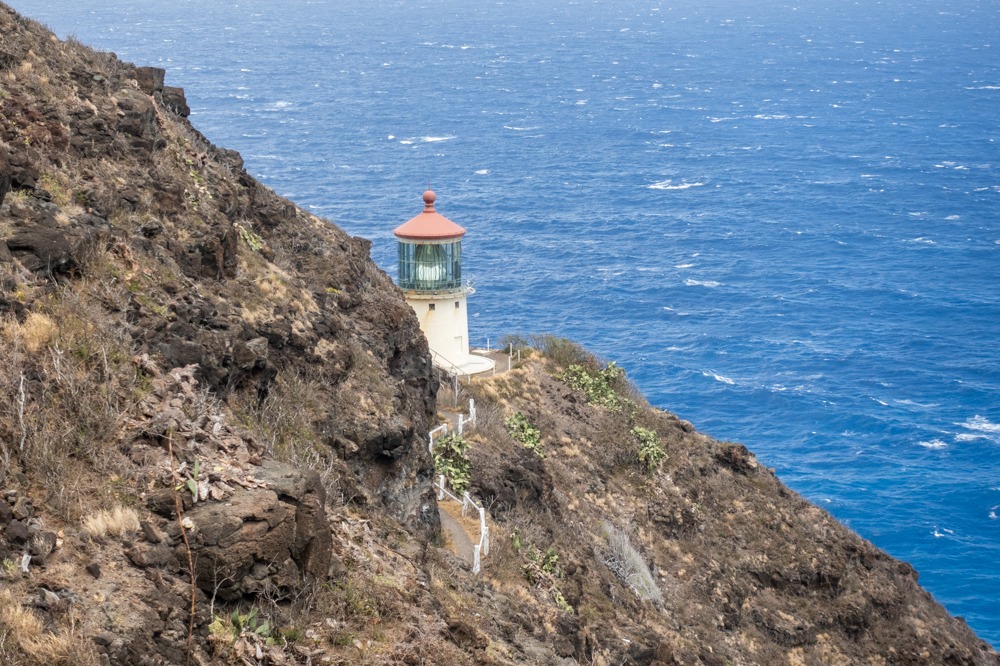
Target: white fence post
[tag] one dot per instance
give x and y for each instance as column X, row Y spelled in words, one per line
column 441, row 487
column 484, row 531
column 465, row 502
column 472, row 411
column 461, row 425
column 475, row 559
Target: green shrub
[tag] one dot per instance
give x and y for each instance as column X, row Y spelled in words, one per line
column 601, row 387
column 523, row 431
column 451, row 459
column 562, row 351
column 651, row 452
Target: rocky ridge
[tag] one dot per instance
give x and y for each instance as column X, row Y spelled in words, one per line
column 213, row 448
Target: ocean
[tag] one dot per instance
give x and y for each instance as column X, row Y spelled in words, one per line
column 783, row 219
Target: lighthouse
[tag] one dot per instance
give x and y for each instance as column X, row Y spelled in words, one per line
column 430, row 275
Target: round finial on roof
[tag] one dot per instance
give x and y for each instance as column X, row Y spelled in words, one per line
column 429, row 198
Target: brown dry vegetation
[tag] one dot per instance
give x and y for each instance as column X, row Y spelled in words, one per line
column 161, row 310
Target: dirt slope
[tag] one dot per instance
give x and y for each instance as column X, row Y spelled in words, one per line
column 213, row 444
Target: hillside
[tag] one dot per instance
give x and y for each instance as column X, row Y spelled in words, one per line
column 214, row 443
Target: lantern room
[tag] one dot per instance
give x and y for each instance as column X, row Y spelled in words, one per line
column 430, row 275
column 430, row 251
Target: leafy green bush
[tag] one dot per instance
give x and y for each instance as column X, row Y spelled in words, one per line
column 564, row 352
column 651, row 452
column 523, row 431
column 601, row 387
column 451, row 459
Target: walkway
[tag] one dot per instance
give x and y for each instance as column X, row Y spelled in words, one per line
column 459, row 542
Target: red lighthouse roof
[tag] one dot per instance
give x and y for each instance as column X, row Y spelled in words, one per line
column 430, row 224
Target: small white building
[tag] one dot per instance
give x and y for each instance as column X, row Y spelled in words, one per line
column 430, row 275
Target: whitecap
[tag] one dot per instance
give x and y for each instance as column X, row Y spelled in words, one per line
column 282, row 104
column 391, row 137
column 684, row 266
column 954, row 217
column 482, row 172
column 718, row 378
column 884, row 404
column 933, row 444
column 406, row 142
column 968, row 437
column 435, row 139
column 581, row 102
column 519, row 129
column 701, row 283
column 668, row 185
column 981, row 424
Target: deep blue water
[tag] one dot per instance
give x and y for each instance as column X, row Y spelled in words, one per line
column 783, row 220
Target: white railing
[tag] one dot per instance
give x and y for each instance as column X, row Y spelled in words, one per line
column 481, row 549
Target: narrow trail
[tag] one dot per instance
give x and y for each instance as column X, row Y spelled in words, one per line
column 462, row 533
column 458, row 538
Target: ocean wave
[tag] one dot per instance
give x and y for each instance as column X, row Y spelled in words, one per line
column 519, row 129
column 968, row 437
column 701, row 283
column 435, row 139
column 933, row 444
column 981, row 424
column 482, row 172
column 718, row 378
column 668, row 185
column 684, row 266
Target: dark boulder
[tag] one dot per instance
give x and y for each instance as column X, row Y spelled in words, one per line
column 174, row 100
column 150, row 79
column 273, row 537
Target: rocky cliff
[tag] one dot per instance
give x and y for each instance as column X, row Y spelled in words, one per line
column 213, row 443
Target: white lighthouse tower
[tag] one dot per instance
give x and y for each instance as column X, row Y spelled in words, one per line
column 430, row 275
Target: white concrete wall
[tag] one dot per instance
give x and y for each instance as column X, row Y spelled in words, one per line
column 446, row 325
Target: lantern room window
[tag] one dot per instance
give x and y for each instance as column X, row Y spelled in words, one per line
column 430, row 266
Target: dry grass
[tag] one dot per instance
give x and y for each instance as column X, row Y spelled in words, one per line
column 37, row 332
column 25, row 641
column 118, row 521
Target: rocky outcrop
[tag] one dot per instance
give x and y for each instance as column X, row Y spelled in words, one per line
column 215, row 411
column 273, row 538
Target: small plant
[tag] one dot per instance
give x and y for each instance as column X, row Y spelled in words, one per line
column 250, row 237
column 9, row 569
column 651, row 452
column 241, row 634
column 451, row 459
column 542, row 570
column 523, row 431
column 541, row 566
column 191, row 483
column 600, row 387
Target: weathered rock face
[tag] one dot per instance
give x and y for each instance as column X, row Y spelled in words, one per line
column 221, row 272
column 271, row 538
